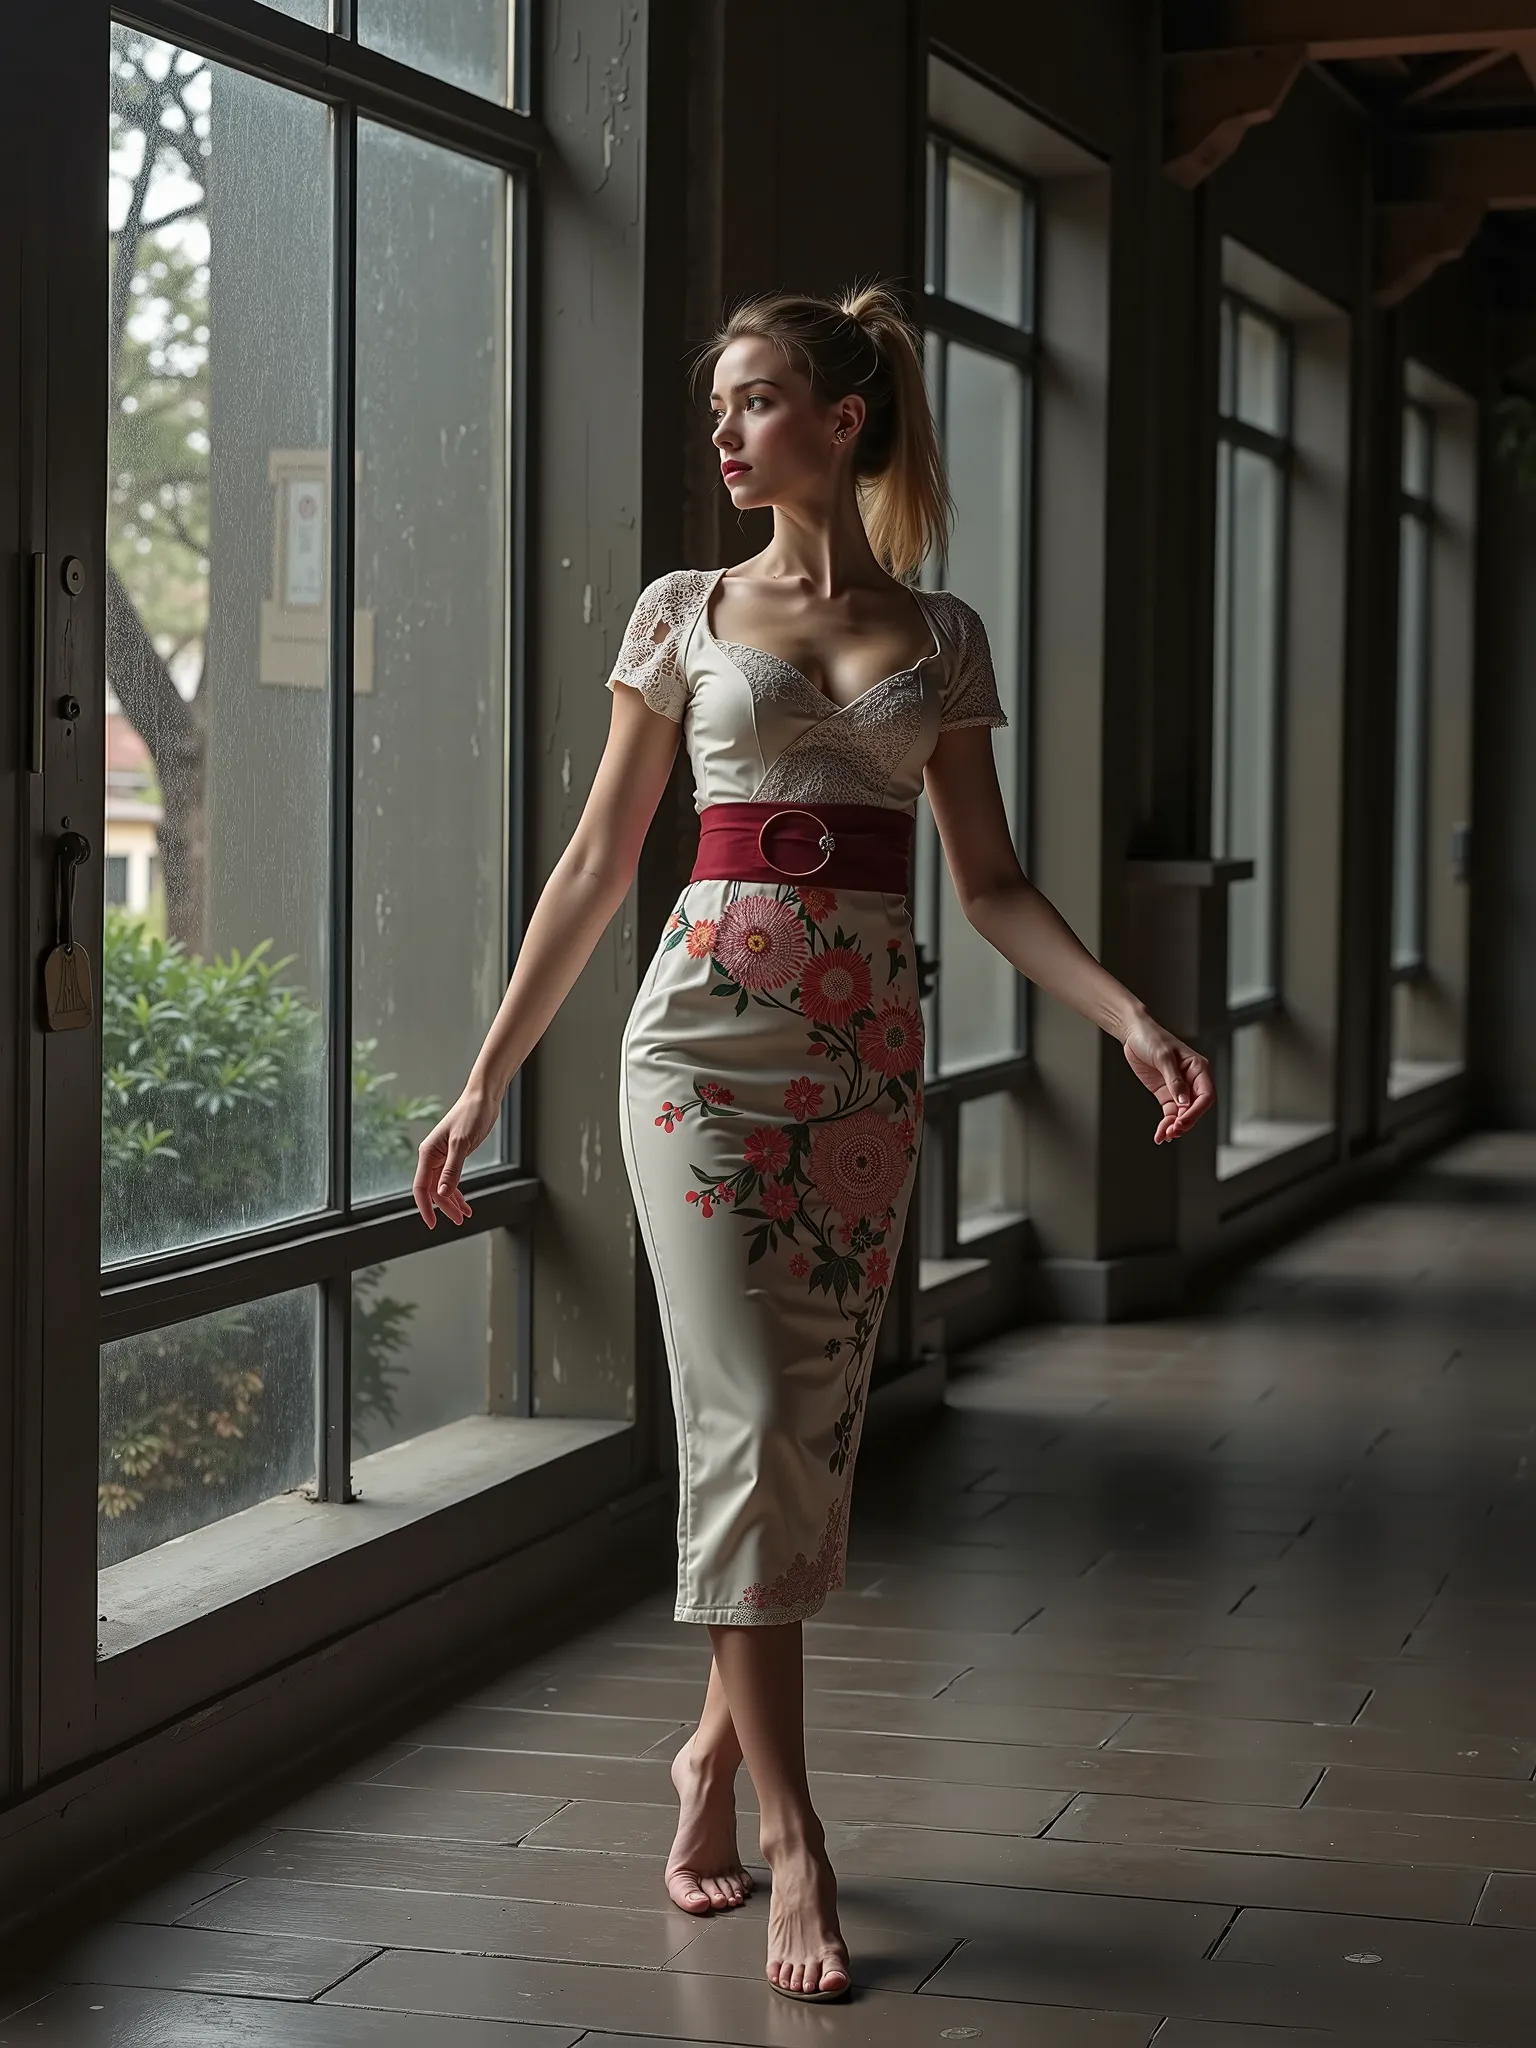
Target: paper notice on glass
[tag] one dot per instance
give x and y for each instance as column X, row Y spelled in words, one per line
column 304, row 555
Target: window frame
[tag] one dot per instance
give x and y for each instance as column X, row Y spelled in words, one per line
column 1278, row 449
column 1421, row 507
column 945, row 320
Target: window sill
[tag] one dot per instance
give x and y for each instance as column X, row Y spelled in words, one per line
column 246, row 1553
column 988, row 1223
column 1256, row 1143
column 1409, row 1077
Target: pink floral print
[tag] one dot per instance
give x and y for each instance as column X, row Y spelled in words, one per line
column 823, row 1186
column 836, row 985
column 760, row 943
column 857, row 1167
column 806, row 1583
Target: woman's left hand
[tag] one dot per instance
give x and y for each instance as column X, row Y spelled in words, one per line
column 1176, row 1074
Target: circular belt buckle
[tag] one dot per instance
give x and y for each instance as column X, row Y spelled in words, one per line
column 826, row 842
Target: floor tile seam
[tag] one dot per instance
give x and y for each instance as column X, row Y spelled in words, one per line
column 870, row 1995
column 402, row 1891
column 1334, row 1861
column 1322, row 1804
column 351, row 1971
column 340, row 1834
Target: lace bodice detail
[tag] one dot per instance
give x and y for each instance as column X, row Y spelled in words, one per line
column 758, row 728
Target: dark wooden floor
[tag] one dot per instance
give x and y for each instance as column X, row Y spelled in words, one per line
column 1183, row 1689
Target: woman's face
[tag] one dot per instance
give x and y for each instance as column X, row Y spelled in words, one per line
column 778, row 442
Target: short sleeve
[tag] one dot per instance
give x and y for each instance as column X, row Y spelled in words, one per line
column 970, row 685
column 650, row 654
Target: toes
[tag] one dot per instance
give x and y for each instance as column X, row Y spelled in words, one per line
column 834, row 1976
column 685, row 1890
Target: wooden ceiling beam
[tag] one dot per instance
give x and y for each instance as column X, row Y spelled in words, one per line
column 1210, row 103
column 1331, row 30
column 1455, row 71
column 1489, row 167
column 1415, row 236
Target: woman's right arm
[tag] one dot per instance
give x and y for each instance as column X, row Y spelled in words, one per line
column 585, row 888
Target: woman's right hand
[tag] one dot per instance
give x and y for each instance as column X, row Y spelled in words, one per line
column 443, row 1151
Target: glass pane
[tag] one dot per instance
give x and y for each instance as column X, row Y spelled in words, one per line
column 984, row 242
column 317, row 13
column 1261, row 373
column 214, row 965
column 1247, row 1077
column 468, row 43
column 985, row 418
column 1227, row 371
column 932, row 200
column 1418, row 444
column 991, row 1164
column 1247, row 680
column 434, row 1338
column 1412, row 743
column 205, row 1418
column 430, row 859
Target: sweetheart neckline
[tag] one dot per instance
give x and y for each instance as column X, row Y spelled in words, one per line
column 835, row 710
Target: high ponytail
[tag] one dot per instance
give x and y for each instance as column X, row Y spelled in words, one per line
column 862, row 341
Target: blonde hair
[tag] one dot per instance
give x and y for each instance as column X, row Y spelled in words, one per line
column 862, row 341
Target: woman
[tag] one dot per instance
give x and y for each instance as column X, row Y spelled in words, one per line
column 771, row 1093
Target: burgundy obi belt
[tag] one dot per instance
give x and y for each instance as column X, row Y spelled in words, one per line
column 840, row 846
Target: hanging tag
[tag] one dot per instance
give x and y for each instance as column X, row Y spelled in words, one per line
column 67, row 988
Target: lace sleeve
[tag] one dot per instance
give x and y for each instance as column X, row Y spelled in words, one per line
column 649, row 657
column 970, row 685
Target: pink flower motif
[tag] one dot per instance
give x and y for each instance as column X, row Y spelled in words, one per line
column 674, row 920
column 818, row 903
column 779, row 1200
column 856, row 1165
column 803, row 1098
column 835, row 985
column 893, row 945
column 671, row 1116
column 712, row 1091
column 767, row 1148
column 700, row 942
column 906, row 1131
column 725, row 1193
column 892, row 1041
column 761, row 943
column 705, row 1199
column 799, row 1266
column 877, row 1268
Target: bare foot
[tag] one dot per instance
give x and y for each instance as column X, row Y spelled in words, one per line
column 704, row 1870
column 806, row 1951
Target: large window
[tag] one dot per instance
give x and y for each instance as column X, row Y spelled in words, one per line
column 311, row 494
column 1431, row 769
column 1253, row 461
column 1248, row 670
column 980, row 355
column 1416, row 523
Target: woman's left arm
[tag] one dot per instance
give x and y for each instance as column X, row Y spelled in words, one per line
column 1026, row 928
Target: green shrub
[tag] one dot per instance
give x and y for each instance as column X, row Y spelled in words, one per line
column 213, row 1122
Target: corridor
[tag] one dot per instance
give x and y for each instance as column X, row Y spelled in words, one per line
column 1181, row 1691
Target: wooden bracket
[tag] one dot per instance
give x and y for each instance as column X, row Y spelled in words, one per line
column 1415, row 236
column 1212, row 98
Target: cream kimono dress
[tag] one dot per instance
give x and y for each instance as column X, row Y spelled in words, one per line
column 771, row 1098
